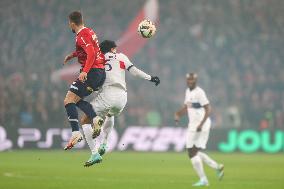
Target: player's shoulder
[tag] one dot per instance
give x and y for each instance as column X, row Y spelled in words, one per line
column 187, row 91
column 199, row 89
column 122, row 57
column 86, row 32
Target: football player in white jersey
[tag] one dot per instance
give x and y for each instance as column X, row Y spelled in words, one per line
column 111, row 98
column 196, row 105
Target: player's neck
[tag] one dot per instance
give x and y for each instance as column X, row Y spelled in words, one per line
column 192, row 88
column 79, row 28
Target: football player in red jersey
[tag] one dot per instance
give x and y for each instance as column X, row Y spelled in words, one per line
column 92, row 76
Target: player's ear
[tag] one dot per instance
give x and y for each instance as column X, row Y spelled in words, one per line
column 113, row 50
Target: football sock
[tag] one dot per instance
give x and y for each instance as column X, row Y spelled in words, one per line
column 87, row 108
column 198, row 167
column 88, row 131
column 210, row 162
column 74, row 133
column 72, row 116
column 107, row 127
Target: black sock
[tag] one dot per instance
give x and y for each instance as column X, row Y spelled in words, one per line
column 87, row 108
column 72, row 114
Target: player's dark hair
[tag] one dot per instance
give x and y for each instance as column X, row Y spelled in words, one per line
column 76, row 17
column 107, row 45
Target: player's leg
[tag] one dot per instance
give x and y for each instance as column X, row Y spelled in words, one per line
column 107, row 127
column 87, row 108
column 101, row 109
column 202, row 141
column 70, row 106
column 209, row 161
column 117, row 99
column 95, row 79
column 198, row 166
column 195, row 159
column 88, row 132
column 213, row 164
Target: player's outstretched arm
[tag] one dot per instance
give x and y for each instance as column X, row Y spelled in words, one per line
column 182, row 111
column 139, row 73
column 69, row 57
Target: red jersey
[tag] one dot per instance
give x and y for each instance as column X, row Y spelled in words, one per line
column 88, row 51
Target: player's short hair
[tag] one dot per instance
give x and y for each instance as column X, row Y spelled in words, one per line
column 194, row 75
column 76, row 17
column 107, row 45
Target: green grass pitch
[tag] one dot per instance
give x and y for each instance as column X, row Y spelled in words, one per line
column 131, row 170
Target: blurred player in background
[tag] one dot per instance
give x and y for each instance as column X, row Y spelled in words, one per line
column 92, row 76
column 196, row 104
column 112, row 98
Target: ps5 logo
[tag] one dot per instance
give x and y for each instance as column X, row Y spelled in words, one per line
column 5, row 144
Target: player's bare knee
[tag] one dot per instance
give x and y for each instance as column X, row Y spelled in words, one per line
column 85, row 120
column 66, row 101
column 192, row 152
column 71, row 98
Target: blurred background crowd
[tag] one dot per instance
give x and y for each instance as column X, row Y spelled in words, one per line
column 235, row 46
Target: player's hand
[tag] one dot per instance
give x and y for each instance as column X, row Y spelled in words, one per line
column 177, row 118
column 83, row 76
column 199, row 128
column 67, row 58
column 155, row 80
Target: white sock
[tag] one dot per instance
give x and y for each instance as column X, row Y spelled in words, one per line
column 74, row 133
column 88, row 131
column 210, row 162
column 107, row 127
column 198, row 167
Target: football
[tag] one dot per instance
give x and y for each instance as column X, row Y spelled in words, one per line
column 146, row 29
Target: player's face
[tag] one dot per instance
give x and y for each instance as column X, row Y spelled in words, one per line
column 113, row 50
column 71, row 26
column 191, row 82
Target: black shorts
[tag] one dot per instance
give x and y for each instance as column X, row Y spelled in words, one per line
column 95, row 79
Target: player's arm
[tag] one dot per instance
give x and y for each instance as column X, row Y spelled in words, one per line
column 91, row 53
column 182, row 111
column 69, row 57
column 207, row 109
column 137, row 72
column 86, row 43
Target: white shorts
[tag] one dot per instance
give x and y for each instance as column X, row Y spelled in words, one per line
column 110, row 100
column 197, row 139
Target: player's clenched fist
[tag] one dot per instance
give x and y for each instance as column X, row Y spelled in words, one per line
column 67, row 58
column 83, row 76
column 155, row 80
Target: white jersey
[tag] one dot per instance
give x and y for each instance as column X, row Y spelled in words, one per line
column 195, row 100
column 116, row 64
column 112, row 97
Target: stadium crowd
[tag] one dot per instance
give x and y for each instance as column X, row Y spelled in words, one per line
column 235, row 46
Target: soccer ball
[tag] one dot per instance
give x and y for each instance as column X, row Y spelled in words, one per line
column 146, row 29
